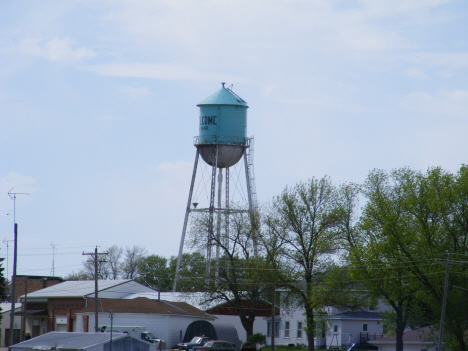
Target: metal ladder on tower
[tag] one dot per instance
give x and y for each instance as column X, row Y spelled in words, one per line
column 250, row 165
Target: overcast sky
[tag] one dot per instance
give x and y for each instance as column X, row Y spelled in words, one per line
column 98, row 106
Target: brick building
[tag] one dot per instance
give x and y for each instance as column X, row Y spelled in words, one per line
column 34, row 283
column 54, row 308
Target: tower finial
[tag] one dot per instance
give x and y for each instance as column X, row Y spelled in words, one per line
column 223, row 84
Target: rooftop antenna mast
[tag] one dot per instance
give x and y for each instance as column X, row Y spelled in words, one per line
column 53, row 258
column 13, row 285
column 6, row 241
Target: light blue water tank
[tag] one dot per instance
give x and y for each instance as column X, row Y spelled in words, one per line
column 223, row 121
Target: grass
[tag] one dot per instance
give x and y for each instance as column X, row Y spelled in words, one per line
column 303, row 348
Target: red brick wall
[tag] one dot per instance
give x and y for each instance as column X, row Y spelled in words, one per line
column 34, row 284
column 63, row 307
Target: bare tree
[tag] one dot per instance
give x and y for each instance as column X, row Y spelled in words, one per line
column 238, row 276
column 103, row 268
column 113, row 261
column 131, row 262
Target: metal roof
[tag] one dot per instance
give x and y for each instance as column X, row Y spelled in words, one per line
column 144, row 305
column 77, row 288
column 357, row 315
column 194, row 299
column 223, row 97
column 66, row 340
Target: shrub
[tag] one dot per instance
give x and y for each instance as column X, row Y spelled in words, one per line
column 258, row 338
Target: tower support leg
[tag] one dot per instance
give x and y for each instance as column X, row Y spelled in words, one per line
column 226, row 234
column 184, row 228
column 218, row 219
column 226, row 224
column 211, row 210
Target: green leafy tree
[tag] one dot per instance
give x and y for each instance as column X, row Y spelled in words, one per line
column 409, row 220
column 192, row 266
column 3, row 286
column 304, row 217
column 154, row 271
column 438, row 204
column 376, row 256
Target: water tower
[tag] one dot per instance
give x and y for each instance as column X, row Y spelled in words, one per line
column 222, row 142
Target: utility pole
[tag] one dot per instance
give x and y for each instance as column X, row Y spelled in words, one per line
column 273, row 312
column 25, row 306
column 444, row 298
column 112, row 326
column 95, row 256
column 13, row 283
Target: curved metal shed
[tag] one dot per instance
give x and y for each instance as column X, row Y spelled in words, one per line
column 214, row 330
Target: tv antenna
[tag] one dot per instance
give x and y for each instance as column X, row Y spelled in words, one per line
column 14, row 201
column 53, row 258
column 6, row 241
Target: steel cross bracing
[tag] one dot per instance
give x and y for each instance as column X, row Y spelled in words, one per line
column 226, row 211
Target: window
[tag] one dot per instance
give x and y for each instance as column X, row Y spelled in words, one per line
column 286, row 329
column 299, row 330
column 364, row 327
column 335, row 328
column 277, row 327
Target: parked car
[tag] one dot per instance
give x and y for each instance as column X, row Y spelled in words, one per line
column 137, row 332
column 196, row 341
column 215, row 345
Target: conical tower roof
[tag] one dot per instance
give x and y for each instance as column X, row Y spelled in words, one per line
column 223, row 97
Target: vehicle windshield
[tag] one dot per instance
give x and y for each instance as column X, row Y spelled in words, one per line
column 151, row 335
column 209, row 344
column 196, row 340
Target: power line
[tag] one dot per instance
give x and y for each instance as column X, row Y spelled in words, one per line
column 95, row 255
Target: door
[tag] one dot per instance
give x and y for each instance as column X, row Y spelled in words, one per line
column 36, row 329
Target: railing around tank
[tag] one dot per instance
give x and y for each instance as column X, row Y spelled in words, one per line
column 221, row 139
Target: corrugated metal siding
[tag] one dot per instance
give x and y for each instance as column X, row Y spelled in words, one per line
column 82, row 341
column 215, row 330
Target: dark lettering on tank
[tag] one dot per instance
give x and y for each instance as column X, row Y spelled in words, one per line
column 207, row 121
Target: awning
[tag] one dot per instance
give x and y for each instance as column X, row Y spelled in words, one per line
column 32, row 313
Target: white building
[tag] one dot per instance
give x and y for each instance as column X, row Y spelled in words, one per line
column 5, row 324
column 338, row 327
column 166, row 320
